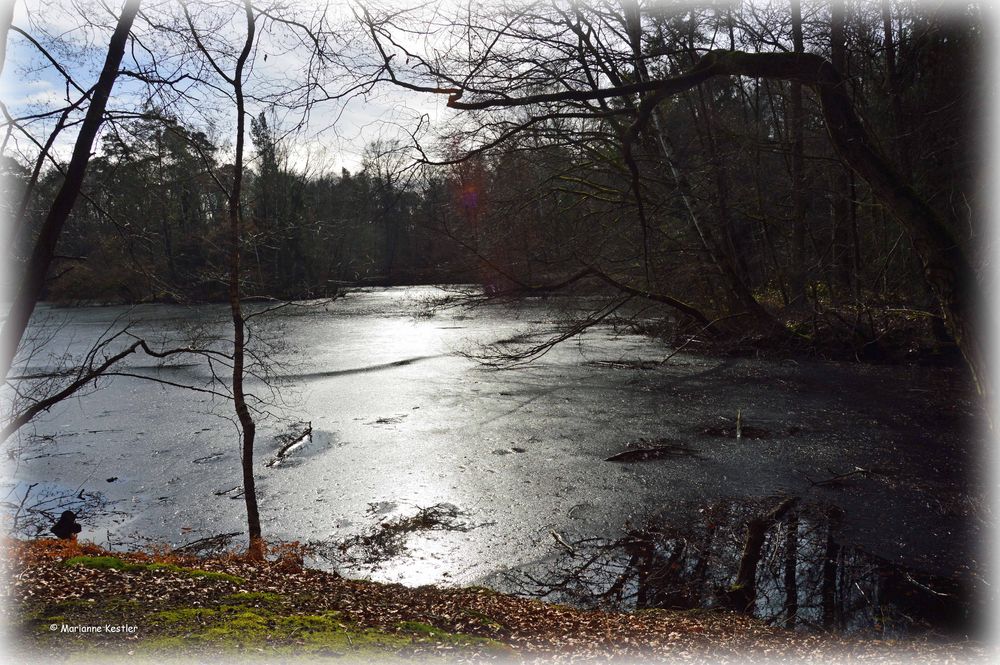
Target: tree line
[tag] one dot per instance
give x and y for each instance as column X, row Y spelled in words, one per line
column 731, row 198
column 149, row 228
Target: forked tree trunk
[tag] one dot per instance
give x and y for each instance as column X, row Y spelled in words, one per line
column 724, row 255
column 946, row 268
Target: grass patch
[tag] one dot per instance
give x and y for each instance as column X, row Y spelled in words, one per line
column 419, row 628
column 252, row 630
column 182, row 615
column 114, row 563
column 165, row 567
column 103, row 563
column 254, row 598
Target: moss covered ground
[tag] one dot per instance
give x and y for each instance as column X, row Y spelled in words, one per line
column 73, row 602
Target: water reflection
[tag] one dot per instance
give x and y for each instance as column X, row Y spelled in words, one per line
column 399, row 533
column 780, row 559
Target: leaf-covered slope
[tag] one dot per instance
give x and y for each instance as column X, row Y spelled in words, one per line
column 195, row 608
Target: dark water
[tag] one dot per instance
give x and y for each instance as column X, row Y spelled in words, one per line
column 804, row 577
column 457, row 473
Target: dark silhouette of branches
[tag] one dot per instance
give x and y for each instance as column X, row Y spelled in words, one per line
column 31, row 283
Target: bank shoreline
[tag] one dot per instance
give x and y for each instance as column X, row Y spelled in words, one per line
column 76, row 600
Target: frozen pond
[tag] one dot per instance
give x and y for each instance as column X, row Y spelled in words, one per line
column 512, row 461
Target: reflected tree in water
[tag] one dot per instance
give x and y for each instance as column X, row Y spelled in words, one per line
column 802, row 576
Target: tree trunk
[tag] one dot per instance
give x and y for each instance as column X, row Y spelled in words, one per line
column 798, row 274
column 758, row 318
column 33, row 280
column 239, row 325
column 248, row 427
column 892, row 85
column 725, row 259
column 743, row 593
column 831, row 554
column 840, row 205
column 947, row 270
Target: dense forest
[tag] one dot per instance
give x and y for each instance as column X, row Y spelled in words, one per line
column 731, row 201
column 149, row 229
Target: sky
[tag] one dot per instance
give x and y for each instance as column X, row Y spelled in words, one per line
column 333, row 137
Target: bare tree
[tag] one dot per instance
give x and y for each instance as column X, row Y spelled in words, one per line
column 35, row 394
column 248, row 427
column 33, row 279
column 483, row 81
